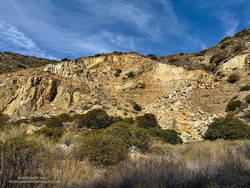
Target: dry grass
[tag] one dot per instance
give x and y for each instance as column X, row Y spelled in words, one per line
column 202, row 164
column 11, row 132
column 68, row 139
column 70, row 172
column 208, row 164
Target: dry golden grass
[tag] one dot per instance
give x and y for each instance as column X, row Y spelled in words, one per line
column 70, row 172
column 68, row 139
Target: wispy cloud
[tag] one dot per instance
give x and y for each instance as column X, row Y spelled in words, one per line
column 85, row 27
column 223, row 11
column 11, row 34
column 230, row 23
column 121, row 41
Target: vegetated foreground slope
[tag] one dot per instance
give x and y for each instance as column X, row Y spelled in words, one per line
column 10, row 62
column 185, row 91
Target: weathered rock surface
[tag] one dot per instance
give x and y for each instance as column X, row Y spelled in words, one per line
column 183, row 97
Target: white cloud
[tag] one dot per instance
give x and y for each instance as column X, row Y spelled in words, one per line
column 230, row 23
column 222, row 10
column 11, row 34
column 121, row 41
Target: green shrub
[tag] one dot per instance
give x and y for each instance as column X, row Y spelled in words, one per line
column 173, row 60
column 233, row 78
column 52, row 133
column 65, row 59
column 137, row 107
column 153, row 57
column 64, row 117
column 227, row 128
column 247, row 99
column 53, row 122
column 121, row 130
column 96, row 119
column 141, row 138
column 57, row 121
column 21, row 66
column 233, row 105
column 118, row 72
column 225, row 39
column 131, row 74
column 247, row 115
column 168, row 136
column 101, row 149
column 147, row 121
column 245, row 88
column 38, row 119
column 129, row 134
column 129, row 120
column 3, row 119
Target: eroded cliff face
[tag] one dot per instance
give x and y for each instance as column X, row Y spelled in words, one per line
column 184, row 99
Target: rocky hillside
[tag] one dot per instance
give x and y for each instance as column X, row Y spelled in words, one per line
column 185, row 91
column 10, row 62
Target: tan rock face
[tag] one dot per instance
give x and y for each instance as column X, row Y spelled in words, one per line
column 181, row 99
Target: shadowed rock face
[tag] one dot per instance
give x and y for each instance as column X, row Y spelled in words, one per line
column 183, row 97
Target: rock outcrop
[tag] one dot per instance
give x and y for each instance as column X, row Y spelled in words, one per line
column 185, row 97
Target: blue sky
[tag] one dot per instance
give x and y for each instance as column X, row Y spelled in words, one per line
column 75, row 28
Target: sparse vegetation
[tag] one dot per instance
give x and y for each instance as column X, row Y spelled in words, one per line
column 228, row 128
column 245, row 88
column 233, row 78
column 201, row 53
column 243, row 33
column 131, row 74
column 218, row 58
column 118, row 72
column 226, row 44
column 53, row 133
column 21, row 66
column 238, row 48
column 173, row 60
column 13, row 62
column 208, row 68
column 225, row 39
column 38, row 119
column 3, row 119
column 247, row 115
column 153, row 57
column 137, row 107
column 247, row 99
column 233, row 105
